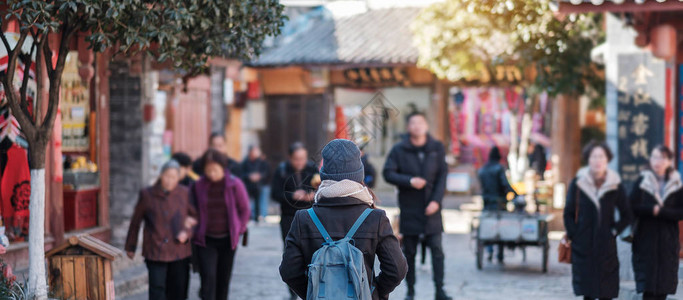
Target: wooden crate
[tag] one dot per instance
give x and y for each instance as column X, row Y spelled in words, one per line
column 80, row 269
column 80, row 209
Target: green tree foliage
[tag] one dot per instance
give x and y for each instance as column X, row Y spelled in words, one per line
column 457, row 39
column 186, row 32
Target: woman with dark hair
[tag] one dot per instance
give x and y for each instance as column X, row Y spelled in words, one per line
column 223, row 205
column 657, row 201
column 292, row 187
column 589, row 218
column 168, row 220
column 494, row 187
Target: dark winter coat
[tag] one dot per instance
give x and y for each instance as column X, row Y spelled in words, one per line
column 655, row 242
column 494, row 186
column 254, row 166
column 370, row 172
column 595, row 263
column 403, row 163
column 374, row 237
column 286, row 181
column 164, row 215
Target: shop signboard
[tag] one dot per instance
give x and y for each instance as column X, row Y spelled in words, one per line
column 640, row 111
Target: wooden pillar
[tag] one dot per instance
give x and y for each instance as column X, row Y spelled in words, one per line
column 439, row 106
column 101, row 88
column 566, row 136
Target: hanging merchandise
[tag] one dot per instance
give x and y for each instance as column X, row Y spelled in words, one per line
column 16, row 193
column 9, row 126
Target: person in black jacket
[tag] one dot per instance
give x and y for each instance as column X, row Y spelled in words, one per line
column 657, row 201
column 592, row 229
column 255, row 176
column 293, row 187
column 340, row 200
column 217, row 142
column 187, row 176
column 537, row 161
column 370, row 172
column 494, row 187
column 417, row 167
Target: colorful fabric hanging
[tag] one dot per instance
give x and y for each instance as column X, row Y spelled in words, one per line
column 15, row 189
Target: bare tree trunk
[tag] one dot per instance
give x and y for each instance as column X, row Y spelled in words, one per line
column 512, row 153
column 36, row 236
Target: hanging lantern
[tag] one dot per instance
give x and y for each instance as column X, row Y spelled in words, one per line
column 663, row 41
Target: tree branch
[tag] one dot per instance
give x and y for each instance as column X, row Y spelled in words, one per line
column 47, row 55
column 56, row 77
column 24, row 119
column 37, row 110
column 23, row 100
column 5, row 42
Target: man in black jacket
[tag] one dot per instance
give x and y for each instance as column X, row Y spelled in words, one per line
column 292, row 187
column 217, row 141
column 255, row 175
column 417, row 167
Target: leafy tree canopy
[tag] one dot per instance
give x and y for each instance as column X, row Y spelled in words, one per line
column 188, row 32
column 459, row 39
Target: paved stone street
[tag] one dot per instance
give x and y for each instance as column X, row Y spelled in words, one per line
column 256, row 275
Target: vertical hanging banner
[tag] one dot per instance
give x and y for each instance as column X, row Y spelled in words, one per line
column 641, row 99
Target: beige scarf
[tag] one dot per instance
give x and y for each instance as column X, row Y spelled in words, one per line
column 651, row 185
column 588, row 186
column 344, row 188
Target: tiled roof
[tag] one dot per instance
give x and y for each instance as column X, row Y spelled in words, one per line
column 380, row 36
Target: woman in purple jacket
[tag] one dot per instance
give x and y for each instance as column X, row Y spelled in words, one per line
column 223, row 205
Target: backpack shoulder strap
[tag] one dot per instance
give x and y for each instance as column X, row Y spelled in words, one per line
column 319, row 225
column 360, row 221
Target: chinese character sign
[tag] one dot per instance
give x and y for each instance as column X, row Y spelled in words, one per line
column 640, row 117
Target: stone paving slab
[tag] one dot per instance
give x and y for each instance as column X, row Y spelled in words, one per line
column 256, row 270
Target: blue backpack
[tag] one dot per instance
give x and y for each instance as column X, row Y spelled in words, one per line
column 337, row 270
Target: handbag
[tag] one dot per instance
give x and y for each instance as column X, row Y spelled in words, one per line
column 564, row 250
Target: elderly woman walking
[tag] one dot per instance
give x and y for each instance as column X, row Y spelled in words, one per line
column 168, row 217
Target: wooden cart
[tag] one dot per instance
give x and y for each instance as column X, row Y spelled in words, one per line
column 516, row 229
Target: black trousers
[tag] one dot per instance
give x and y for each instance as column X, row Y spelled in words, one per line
column 215, row 268
column 168, row 280
column 435, row 243
column 650, row 296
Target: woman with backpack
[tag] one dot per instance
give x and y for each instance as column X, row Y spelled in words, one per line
column 657, row 201
column 222, row 202
column 342, row 202
column 593, row 198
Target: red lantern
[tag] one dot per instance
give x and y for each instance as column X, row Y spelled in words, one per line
column 663, row 41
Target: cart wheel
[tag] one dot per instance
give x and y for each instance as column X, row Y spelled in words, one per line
column 480, row 254
column 546, row 250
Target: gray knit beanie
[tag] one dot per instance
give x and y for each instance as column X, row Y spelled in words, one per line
column 171, row 164
column 341, row 160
